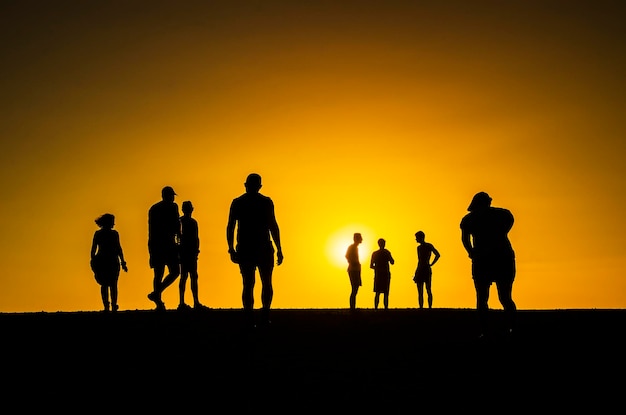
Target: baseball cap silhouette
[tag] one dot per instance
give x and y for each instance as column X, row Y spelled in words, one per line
column 168, row 190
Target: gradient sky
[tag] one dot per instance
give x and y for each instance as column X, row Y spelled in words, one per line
column 379, row 117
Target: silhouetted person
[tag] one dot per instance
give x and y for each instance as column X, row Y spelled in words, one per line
column 163, row 240
column 354, row 268
column 484, row 233
column 106, row 258
column 252, row 214
column 189, row 251
column 423, row 272
column 380, row 261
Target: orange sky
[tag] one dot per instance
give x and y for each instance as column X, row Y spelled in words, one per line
column 376, row 117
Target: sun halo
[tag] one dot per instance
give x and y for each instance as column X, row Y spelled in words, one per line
column 339, row 242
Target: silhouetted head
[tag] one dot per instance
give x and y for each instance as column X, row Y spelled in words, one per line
column 168, row 193
column 357, row 238
column 419, row 236
column 381, row 243
column 480, row 200
column 253, row 183
column 106, row 221
column 187, row 207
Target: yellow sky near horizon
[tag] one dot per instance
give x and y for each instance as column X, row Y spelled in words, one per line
column 376, row 117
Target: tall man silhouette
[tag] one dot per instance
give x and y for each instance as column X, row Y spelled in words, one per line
column 423, row 276
column 163, row 240
column 484, row 234
column 252, row 214
column 379, row 262
column 354, row 268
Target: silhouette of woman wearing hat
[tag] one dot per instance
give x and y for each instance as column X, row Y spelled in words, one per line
column 484, row 234
column 106, row 259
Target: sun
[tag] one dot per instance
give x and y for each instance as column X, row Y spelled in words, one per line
column 336, row 249
column 339, row 242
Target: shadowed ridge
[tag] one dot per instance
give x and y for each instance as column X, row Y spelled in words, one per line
column 308, row 359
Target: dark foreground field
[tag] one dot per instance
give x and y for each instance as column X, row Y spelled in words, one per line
column 311, row 361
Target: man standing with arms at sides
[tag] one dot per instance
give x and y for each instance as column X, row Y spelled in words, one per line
column 379, row 262
column 253, row 215
column 484, row 233
column 354, row 268
column 163, row 240
column 424, row 273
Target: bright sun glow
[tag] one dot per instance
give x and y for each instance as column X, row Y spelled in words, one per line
column 339, row 241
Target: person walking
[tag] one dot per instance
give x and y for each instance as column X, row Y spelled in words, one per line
column 484, row 234
column 163, row 240
column 107, row 257
column 380, row 261
column 424, row 273
column 252, row 218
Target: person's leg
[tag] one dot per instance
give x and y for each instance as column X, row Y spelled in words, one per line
column 248, row 279
column 355, row 283
column 505, row 296
column 113, row 290
column 189, row 270
column 173, row 268
column 157, row 282
column 193, row 275
column 104, row 294
column 482, row 303
column 386, row 300
column 429, row 292
column 159, row 271
column 182, row 285
column 247, row 293
column 353, row 293
column 376, row 300
column 267, row 290
column 420, row 294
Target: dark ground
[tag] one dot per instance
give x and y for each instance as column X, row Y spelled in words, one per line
column 312, row 361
